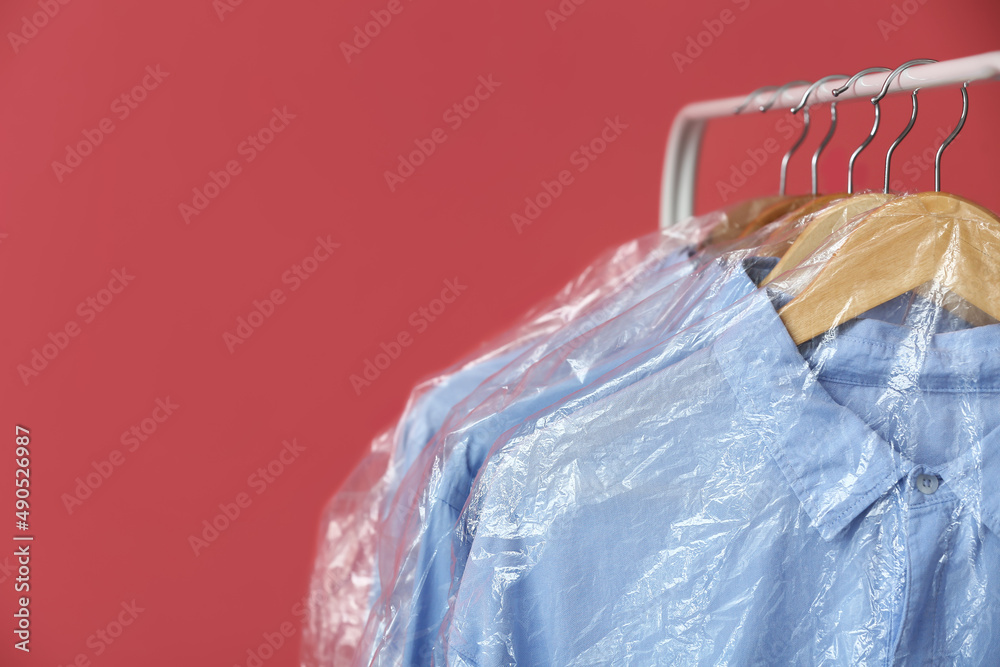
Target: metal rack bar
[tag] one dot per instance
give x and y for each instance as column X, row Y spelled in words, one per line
column 681, row 164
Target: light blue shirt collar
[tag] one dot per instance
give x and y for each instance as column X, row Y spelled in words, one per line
column 835, row 463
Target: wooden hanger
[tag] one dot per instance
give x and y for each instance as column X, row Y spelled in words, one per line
column 851, row 205
column 772, row 213
column 778, row 235
column 913, row 240
column 788, row 221
column 782, row 205
column 905, row 244
column 740, row 215
column 815, row 202
column 827, row 222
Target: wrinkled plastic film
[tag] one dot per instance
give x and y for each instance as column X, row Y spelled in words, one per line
column 666, row 478
column 435, row 490
column 748, row 501
column 342, row 593
column 405, row 550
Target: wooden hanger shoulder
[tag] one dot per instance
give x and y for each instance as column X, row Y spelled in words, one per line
column 916, row 239
column 741, row 214
column 774, row 212
column 834, row 216
column 787, row 227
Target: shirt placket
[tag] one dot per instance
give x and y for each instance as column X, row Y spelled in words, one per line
column 931, row 508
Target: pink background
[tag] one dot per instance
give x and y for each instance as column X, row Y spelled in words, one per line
column 318, row 171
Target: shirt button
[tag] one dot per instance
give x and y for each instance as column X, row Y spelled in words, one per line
column 927, row 484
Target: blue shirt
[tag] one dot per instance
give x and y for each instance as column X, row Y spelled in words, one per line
column 749, row 502
column 449, row 398
column 449, row 406
column 613, row 284
column 427, row 572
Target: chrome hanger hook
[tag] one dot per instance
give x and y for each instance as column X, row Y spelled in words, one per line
column 751, row 97
column 809, row 91
column 779, row 91
column 814, row 163
column 795, row 147
column 871, row 134
column 902, row 135
column 814, row 167
column 913, row 114
column 805, row 130
column 951, row 137
column 896, row 72
column 850, row 82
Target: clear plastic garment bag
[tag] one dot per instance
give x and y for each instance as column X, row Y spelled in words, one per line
column 763, row 435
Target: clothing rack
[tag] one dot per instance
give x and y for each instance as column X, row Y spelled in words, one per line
column 681, row 164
